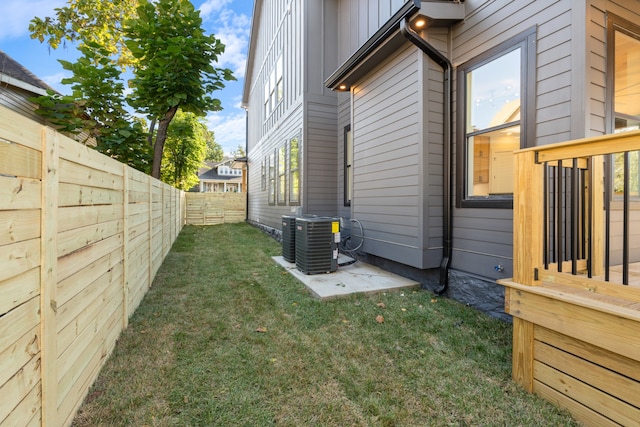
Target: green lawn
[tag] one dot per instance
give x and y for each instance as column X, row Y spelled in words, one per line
column 225, row 337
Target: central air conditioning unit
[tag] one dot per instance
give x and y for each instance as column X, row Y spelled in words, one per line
column 317, row 244
column 289, row 238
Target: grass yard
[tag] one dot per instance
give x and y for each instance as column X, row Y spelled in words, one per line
column 225, row 337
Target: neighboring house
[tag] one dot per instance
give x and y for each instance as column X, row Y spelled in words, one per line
column 221, row 177
column 405, row 114
column 17, row 85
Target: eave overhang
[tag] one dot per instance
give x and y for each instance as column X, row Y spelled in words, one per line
column 388, row 39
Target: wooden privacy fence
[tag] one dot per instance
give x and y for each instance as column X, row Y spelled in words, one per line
column 81, row 239
column 215, row 208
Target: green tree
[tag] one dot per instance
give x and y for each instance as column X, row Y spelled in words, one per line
column 88, row 21
column 96, row 108
column 239, row 152
column 176, row 65
column 184, row 150
column 214, row 150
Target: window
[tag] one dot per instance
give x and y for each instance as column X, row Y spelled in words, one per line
column 274, row 87
column 282, row 182
column 348, row 166
column 272, row 179
column 294, row 170
column 624, row 97
column 263, row 175
column 492, row 120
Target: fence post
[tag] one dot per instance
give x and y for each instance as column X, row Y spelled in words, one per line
column 125, row 246
column 49, row 276
column 150, row 278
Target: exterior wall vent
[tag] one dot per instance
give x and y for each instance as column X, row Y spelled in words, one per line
column 317, row 244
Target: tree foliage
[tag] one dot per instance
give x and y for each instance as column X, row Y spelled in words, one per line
column 171, row 58
column 88, row 21
column 214, row 150
column 184, row 150
column 96, row 108
column 238, row 152
column 176, row 71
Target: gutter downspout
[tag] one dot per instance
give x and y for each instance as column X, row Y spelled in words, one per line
column 246, row 154
column 447, row 167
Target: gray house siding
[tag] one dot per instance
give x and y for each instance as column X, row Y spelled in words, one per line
column 321, row 174
column 392, row 109
column 276, row 30
column 344, row 120
column 304, row 33
column 482, row 238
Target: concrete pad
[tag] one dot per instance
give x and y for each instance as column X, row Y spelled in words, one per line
column 350, row 279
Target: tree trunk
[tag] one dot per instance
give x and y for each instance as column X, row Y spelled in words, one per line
column 152, row 128
column 161, row 137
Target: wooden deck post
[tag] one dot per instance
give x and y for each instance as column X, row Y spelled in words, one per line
column 527, row 218
column 522, row 363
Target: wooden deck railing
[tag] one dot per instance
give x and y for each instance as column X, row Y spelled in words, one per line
column 575, row 303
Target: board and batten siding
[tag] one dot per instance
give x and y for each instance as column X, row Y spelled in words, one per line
column 482, row 238
column 277, row 31
column 360, row 19
column 304, row 32
column 320, row 166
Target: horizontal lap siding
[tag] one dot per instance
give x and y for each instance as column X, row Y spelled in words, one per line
column 434, row 116
column 344, row 120
column 482, row 238
column 387, row 158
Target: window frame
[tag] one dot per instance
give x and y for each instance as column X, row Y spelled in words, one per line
column 271, row 184
column 525, row 41
column 274, row 86
column 615, row 24
column 281, row 174
column 294, row 200
column 348, row 167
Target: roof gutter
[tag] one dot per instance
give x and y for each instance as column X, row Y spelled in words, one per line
column 447, row 167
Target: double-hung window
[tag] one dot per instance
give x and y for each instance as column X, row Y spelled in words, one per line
column 494, row 120
column 274, row 87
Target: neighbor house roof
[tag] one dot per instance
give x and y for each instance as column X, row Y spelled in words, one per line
column 212, row 174
column 13, row 73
